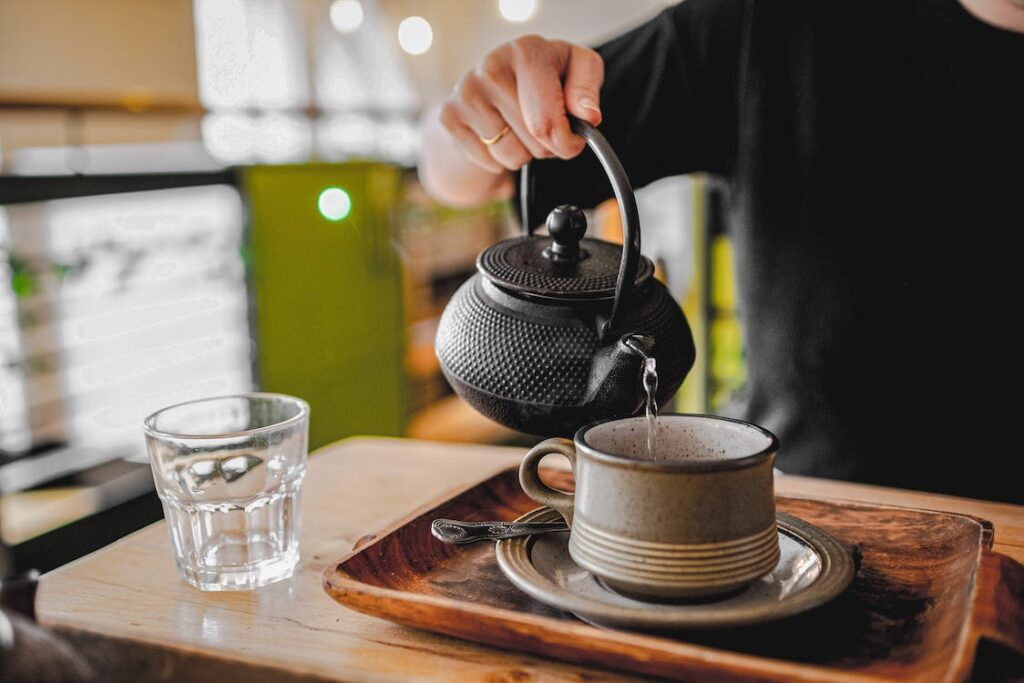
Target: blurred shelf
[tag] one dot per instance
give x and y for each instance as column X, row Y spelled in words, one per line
column 451, row 419
column 29, row 514
column 134, row 101
column 18, row 189
column 25, row 515
column 421, row 361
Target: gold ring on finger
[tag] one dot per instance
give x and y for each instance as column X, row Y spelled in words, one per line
column 490, row 141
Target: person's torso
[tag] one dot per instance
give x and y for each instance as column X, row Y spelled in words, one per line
column 873, row 232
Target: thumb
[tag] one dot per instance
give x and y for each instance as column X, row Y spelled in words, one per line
column 584, row 75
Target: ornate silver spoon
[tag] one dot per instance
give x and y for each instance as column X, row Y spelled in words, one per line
column 460, row 533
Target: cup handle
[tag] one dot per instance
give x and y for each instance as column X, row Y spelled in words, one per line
column 529, row 479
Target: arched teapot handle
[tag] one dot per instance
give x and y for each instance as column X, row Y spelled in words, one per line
column 627, row 208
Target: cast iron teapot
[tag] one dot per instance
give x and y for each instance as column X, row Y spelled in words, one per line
column 552, row 332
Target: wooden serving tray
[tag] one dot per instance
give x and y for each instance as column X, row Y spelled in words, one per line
column 927, row 588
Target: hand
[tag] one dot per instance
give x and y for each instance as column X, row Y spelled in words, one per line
column 527, row 84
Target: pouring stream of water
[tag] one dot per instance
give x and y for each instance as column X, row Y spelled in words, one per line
column 649, row 376
column 651, row 387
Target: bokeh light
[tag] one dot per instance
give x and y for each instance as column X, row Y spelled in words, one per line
column 415, row 35
column 517, row 10
column 230, row 137
column 346, row 15
column 334, row 204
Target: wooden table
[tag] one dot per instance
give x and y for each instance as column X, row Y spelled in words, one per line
column 130, row 613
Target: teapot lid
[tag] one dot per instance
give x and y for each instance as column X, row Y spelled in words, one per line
column 562, row 266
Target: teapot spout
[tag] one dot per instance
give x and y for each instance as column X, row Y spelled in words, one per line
column 615, row 385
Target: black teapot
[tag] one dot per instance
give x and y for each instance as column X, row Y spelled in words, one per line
column 553, row 331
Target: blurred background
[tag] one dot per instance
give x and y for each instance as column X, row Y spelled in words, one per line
column 213, row 196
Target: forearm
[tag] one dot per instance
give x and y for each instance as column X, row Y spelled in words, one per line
column 448, row 175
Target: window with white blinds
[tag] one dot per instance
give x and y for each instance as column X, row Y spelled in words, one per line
column 113, row 306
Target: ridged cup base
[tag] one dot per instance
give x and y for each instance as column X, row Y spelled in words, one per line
column 671, row 571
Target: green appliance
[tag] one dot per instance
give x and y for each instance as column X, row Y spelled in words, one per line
column 327, row 287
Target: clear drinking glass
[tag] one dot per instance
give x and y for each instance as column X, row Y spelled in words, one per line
column 229, row 473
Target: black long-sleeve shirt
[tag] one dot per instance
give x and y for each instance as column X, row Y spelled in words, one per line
column 873, row 151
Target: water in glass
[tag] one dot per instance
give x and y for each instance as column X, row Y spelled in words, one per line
column 229, row 473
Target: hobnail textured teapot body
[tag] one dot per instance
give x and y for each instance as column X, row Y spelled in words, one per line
column 537, row 340
column 543, row 368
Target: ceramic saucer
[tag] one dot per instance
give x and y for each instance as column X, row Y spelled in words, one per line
column 813, row 569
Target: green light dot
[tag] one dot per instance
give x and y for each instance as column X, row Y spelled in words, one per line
column 334, row 204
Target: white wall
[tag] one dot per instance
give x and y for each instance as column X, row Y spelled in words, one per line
column 114, row 57
column 102, row 51
column 133, row 53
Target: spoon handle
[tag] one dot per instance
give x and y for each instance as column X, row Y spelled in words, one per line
column 454, row 531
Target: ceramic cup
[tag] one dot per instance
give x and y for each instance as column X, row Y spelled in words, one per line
column 696, row 520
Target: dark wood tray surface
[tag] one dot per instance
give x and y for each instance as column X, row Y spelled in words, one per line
column 927, row 587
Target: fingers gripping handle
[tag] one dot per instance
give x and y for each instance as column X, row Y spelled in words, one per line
column 529, row 478
column 628, row 212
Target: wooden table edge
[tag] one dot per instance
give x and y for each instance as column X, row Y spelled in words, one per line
column 504, row 458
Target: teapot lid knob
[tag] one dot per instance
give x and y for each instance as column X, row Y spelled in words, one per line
column 567, row 226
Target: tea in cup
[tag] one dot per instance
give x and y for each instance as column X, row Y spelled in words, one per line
column 694, row 519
